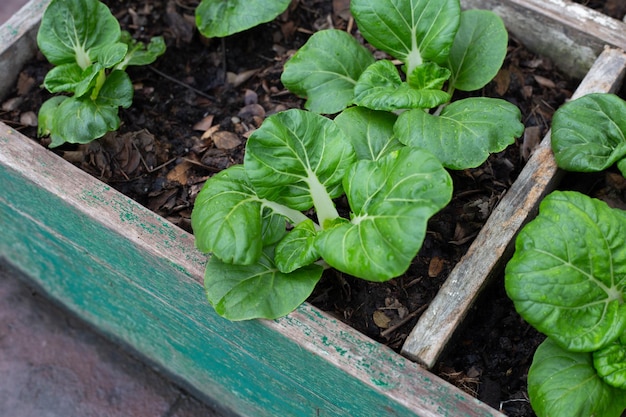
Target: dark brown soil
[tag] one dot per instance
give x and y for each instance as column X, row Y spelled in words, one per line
column 196, row 105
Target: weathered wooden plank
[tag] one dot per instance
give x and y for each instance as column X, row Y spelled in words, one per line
column 491, row 248
column 18, row 42
column 569, row 33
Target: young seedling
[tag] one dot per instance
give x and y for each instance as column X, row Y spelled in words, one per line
column 90, row 53
column 220, row 18
column 442, row 50
column 267, row 255
column 272, row 226
column 567, row 279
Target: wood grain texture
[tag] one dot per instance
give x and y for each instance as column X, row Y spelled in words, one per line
column 493, row 245
column 569, row 33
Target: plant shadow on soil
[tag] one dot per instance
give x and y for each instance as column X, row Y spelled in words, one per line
column 194, row 108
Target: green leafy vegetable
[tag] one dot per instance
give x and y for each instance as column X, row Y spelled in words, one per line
column 567, row 278
column 296, row 161
column 562, row 383
column 589, row 133
column 83, row 39
column 478, row 50
column 465, row 132
column 219, row 18
column 568, row 275
column 441, row 49
column 326, row 70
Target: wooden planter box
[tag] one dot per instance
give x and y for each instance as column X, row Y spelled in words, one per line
column 137, row 278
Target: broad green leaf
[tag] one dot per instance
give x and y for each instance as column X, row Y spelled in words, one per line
column 369, row 131
column 227, row 218
column 567, row 277
column 392, row 199
column 109, row 55
column 69, row 78
column 381, row 88
column 117, row 91
column 465, row 132
column 413, row 31
column 589, row 133
column 428, row 76
column 140, row 53
column 565, row 384
column 70, row 29
column 46, row 118
column 326, row 69
column 295, row 156
column 219, row 18
column 259, row 290
column 273, row 227
column 297, row 248
column 478, row 50
column 610, row 363
column 81, row 120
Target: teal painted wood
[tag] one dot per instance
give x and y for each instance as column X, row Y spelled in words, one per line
column 135, row 277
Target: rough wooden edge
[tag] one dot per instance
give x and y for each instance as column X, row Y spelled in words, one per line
column 18, row 42
column 489, row 251
column 580, row 31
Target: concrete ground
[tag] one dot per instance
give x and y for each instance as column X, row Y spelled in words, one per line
column 8, row 7
column 53, row 365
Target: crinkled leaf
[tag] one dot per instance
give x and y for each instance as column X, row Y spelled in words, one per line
column 139, row 53
column 567, row 277
column 71, row 78
column 412, row 30
column 296, row 249
column 465, row 132
column 117, row 91
column 428, row 76
column 369, row 131
column 589, row 133
column 219, row 18
column 325, row 70
column 109, row 55
column 81, row 120
column 610, row 363
column 565, row 384
column 294, row 153
column 227, row 218
column 70, row 29
column 259, row 290
column 478, row 51
column 381, row 88
column 392, row 199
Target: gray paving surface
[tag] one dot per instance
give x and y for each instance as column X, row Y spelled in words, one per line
column 8, row 7
column 53, row 365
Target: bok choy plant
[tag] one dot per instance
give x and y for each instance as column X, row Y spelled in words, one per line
column 568, row 275
column 268, row 255
column 90, row 53
column 567, row 279
column 441, row 50
column 272, row 224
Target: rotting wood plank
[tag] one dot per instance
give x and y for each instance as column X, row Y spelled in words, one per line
column 580, row 32
column 493, row 245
